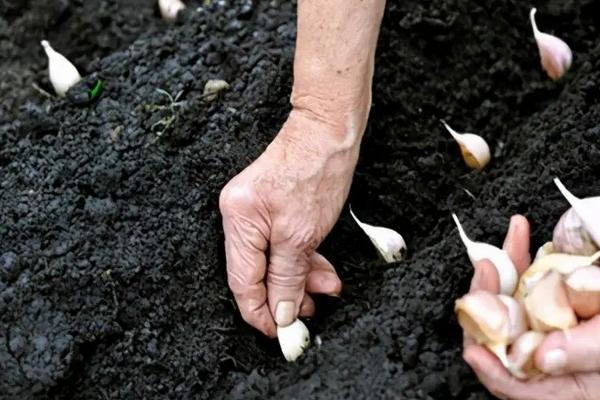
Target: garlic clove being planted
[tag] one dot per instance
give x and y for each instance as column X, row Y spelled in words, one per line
column 478, row 251
column 583, row 290
column 389, row 243
column 474, row 149
column 571, row 237
column 170, row 8
column 555, row 55
column 588, row 211
column 547, row 305
column 564, row 264
column 521, row 361
column 63, row 74
column 293, row 339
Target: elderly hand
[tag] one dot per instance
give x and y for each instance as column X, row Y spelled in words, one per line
column 572, row 363
column 276, row 213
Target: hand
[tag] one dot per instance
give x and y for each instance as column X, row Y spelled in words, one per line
column 573, row 362
column 276, row 213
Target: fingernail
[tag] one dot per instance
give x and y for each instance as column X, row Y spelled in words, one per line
column 555, row 361
column 285, row 313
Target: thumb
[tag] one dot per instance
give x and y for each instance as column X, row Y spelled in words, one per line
column 286, row 280
column 572, row 351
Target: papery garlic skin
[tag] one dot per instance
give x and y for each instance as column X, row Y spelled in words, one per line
column 389, row 243
column 170, row 8
column 62, row 73
column 587, row 210
column 583, row 291
column 521, row 357
column 474, row 149
column 544, row 250
column 555, row 55
column 293, row 339
column 548, row 306
column 570, row 235
column 516, row 316
column 478, row 251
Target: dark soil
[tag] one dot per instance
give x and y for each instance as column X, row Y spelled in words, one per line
column 112, row 274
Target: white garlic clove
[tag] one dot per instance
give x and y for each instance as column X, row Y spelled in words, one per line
column 587, row 210
column 544, row 250
column 389, row 243
column 548, row 306
column 555, row 55
column 63, row 74
column 474, row 149
column 170, row 8
column 583, row 290
column 293, row 339
column 478, row 251
column 213, row 87
column 570, row 235
column 484, row 317
column 516, row 316
column 521, row 357
column 564, row 264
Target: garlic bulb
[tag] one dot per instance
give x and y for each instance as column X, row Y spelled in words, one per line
column 474, row 149
column 170, row 8
column 583, row 290
column 63, row 75
column 389, row 243
column 293, row 339
column 547, row 305
column 485, row 318
column 555, row 55
column 571, row 237
column 588, row 211
column 521, row 361
column 564, row 264
column 478, row 251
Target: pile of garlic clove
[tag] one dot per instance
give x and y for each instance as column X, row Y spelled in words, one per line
column 559, row 289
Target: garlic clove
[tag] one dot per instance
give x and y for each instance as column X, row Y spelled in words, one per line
column 583, row 291
column 516, row 316
column 63, row 74
column 293, row 339
column 564, row 264
column 521, row 360
column 571, row 237
column 478, row 251
column 547, row 305
column 588, row 211
column 544, row 250
column 389, row 243
column 484, row 317
column 555, row 55
column 170, row 8
column 474, row 149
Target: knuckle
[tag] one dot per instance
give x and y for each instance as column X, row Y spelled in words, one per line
column 235, row 197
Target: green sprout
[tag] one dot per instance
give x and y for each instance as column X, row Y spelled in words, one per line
column 97, row 89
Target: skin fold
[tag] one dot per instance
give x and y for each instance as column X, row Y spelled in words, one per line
column 279, row 209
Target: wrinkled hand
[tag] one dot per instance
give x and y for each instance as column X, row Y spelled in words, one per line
column 573, row 362
column 276, row 213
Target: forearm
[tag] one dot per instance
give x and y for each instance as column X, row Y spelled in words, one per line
column 334, row 62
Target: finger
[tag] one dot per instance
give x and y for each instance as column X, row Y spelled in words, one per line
column 245, row 246
column 307, row 307
column 516, row 243
column 286, row 280
column 577, row 350
column 485, row 277
column 322, row 277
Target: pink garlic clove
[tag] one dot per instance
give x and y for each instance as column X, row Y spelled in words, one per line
column 583, row 290
column 521, row 361
column 484, row 317
column 555, row 55
column 570, row 235
column 516, row 316
column 548, row 306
